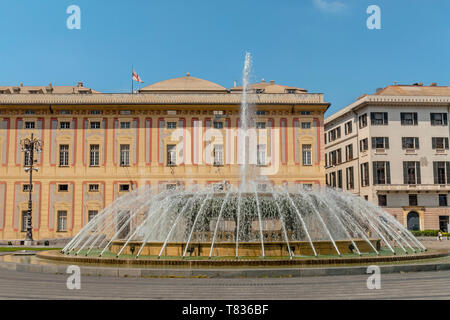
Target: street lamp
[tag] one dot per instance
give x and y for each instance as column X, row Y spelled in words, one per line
column 29, row 146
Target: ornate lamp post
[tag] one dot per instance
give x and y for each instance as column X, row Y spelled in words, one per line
column 29, row 147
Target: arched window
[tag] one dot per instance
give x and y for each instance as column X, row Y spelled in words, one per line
column 413, row 221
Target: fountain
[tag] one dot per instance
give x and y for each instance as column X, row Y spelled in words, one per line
column 223, row 220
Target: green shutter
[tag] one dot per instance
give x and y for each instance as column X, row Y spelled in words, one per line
column 446, row 143
column 386, row 142
column 435, row 172
column 385, row 115
column 387, row 168
column 415, row 118
column 405, row 172
column 416, row 142
column 374, row 142
column 374, row 171
column 447, row 168
column 433, row 143
column 418, row 179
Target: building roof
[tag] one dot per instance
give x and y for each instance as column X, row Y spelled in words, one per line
column 184, row 84
column 402, row 95
column 159, row 99
column 50, row 89
column 269, row 87
column 414, row 90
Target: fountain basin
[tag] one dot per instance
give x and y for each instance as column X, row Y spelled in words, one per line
column 246, row 249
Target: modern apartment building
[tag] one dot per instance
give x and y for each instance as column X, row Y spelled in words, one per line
column 97, row 146
column 392, row 148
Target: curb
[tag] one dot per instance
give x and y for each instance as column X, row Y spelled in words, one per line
column 221, row 273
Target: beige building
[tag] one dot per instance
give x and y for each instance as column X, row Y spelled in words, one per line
column 98, row 146
column 392, row 148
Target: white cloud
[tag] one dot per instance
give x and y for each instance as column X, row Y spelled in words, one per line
column 329, row 5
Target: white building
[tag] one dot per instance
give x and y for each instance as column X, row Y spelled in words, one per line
column 392, row 148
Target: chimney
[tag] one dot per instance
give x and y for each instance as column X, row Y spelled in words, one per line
column 418, row 84
column 272, row 81
column 235, row 83
column 21, row 84
column 80, row 84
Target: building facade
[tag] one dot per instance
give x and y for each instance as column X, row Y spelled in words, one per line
column 392, row 148
column 97, row 147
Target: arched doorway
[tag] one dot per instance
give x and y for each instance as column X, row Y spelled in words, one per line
column 413, row 221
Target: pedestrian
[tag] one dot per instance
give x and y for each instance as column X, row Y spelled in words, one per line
column 440, row 235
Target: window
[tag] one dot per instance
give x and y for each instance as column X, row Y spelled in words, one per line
column 27, row 158
column 363, row 121
column 24, row 221
column 444, row 223
column 408, row 118
column 349, row 152
column 441, row 172
column 325, row 138
column 348, row 127
column 63, row 155
column 218, row 125
column 443, row 200
column 261, row 154
column 29, row 125
column 382, row 200
column 64, row 125
column 411, row 143
column 171, row 186
column 380, row 143
column 305, row 113
column 350, row 178
column 171, row 155
column 124, row 155
column 125, row 125
column 364, row 144
column 124, row 187
column 95, row 112
column 62, row 221
column 335, row 157
column 95, row 125
column 218, row 155
column 260, row 125
column 91, row 215
column 365, row 174
column 260, row 112
column 94, row 155
column 306, row 125
column 30, row 112
column 411, row 172
column 439, row 143
column 412, row 199
column 306, row 154
column 93, row 188
column 381, row 172
column 262, row 187
column 26, row 188
column 171, row 125
column 64, row 112
column 333, row 179
column 334, row 134
column 63, row 187
column 438, row 119
column 378, row 118
column 339, row 179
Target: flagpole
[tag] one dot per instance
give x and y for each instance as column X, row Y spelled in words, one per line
column 132, row 83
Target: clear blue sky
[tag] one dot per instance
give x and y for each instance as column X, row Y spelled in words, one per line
column 321, row 45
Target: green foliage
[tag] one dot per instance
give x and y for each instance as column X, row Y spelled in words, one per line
column 429, row 233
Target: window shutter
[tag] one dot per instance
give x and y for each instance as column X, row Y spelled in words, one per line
column 402, row 117
column 416, row 142
column 387, row 168
column 444, row 116
column 386, row 142
column 433, row 143
column 418, row 180
column 405, row 172
column 372, row 117
column 374, row 140
column 374, row 171
column 446, row 143
column 415, row 118
column 447, row 168
column 435, row 172
column 403, row 143
column 385, row 118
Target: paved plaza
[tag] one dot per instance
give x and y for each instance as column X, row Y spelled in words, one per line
column 421, row 285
